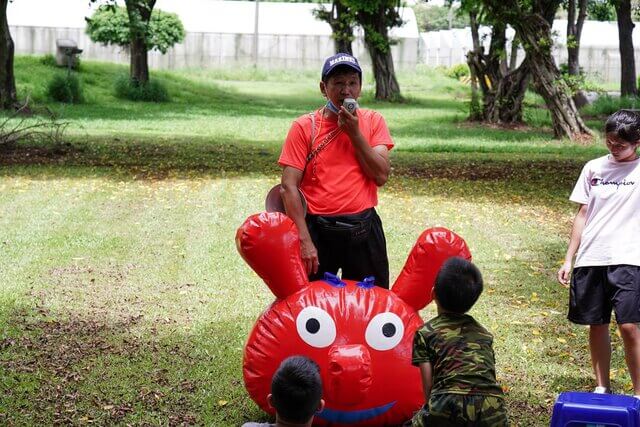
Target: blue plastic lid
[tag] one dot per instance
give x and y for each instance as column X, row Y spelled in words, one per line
column 333, row 280
column 367, row 283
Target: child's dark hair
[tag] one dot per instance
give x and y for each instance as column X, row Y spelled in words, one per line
column 625, row 124
column 458, row 285
column 296, row 389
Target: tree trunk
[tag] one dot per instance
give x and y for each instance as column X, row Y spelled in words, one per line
column 513, row 57
column 139, row 15
column 475, row 110
column 376, row 38
column 387, row 86
column 535, row 32
column 8, row 96
column 342, row 27
column 627, row 60
column 343, row 46
column 139, row 69
column 502, row 90
column 574, row 34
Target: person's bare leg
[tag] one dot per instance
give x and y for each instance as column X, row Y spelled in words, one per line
column 600, row 346
column 631, row 338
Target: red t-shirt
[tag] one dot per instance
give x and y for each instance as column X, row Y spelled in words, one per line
column 337, row 185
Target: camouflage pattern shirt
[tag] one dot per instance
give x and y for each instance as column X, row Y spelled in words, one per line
column 461, row 354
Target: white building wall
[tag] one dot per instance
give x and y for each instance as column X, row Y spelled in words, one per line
column 210, row 50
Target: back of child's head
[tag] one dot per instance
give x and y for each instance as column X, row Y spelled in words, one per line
column 625, row 124
column 458, row 285
column 296, row 389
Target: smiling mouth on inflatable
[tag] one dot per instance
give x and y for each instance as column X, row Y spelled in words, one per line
column 346, row 417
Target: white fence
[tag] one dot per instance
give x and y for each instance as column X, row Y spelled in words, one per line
column 600, row 63
column 209, row 50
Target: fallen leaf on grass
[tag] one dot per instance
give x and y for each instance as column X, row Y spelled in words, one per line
column 223, row 402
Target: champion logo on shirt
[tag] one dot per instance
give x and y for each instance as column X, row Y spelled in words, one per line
column 599, row 181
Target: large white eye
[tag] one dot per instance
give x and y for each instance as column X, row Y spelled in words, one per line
column 384, row 331
column 316, row 327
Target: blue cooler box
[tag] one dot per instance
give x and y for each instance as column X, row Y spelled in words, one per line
column 580, row 409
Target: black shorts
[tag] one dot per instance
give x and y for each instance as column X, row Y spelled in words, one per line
column 595, row 291
column 354, row 243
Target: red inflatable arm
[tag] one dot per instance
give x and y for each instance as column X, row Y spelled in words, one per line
column 435, row 245
column 269, row 243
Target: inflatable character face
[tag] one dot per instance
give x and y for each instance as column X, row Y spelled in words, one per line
column 359, row 334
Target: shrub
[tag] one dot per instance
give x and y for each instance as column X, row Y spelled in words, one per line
column 607, row 104
column 457, row 71
column 65, row 88
column 49, row 60
column 578, row 82
column 152, row 91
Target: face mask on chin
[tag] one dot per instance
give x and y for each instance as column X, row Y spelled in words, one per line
column 332, row 107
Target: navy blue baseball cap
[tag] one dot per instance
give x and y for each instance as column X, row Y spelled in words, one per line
column 340, row 59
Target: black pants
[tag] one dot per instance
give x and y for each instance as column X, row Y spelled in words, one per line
column 354, row 243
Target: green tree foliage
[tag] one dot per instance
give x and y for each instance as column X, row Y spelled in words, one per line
column 601, row 10
column 109, row 25
column 434, row 18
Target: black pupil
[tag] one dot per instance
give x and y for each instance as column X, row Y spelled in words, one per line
column 313, row 326
column 388, row 330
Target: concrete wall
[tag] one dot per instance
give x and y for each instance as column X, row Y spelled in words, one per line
column 210, row 50
column 600, row 63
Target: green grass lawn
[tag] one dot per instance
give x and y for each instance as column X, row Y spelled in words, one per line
column 123, row 299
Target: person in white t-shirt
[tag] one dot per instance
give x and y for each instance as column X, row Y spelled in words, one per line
column 606, row 237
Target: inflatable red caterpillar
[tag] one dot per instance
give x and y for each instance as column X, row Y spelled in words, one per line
column 359, row 334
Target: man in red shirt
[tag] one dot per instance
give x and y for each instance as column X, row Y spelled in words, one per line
column 338, row 160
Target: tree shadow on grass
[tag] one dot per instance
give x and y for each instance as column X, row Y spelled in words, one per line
column 484, row 177
column 73, row 368
column 114, row 159
column 191, row 98
column 444, row 130
column 197, row 98
column 472, row 176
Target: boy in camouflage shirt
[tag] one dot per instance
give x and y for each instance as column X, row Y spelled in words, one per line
column 455, row 356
